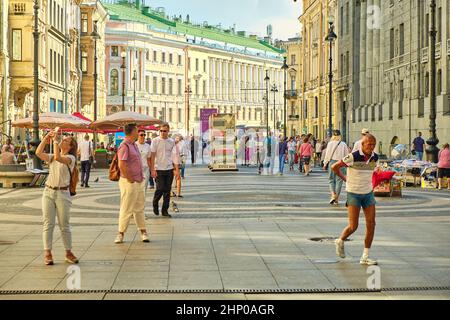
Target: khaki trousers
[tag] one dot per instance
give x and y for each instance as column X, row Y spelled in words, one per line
column 132, row 203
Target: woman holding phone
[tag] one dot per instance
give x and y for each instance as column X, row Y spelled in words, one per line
column 56, row 199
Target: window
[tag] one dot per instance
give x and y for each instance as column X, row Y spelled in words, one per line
column 54, row 66
column 84, row 61
column 439, row 82
column 391, row 101
column 391, row 43
column 196, row 88
column 359, row 114
column 114, row 90
column 114, row 51
column 155, row 85
column 204, row 88
column 170, row 115
column 58, row 21
column 341, row 22
column 62, row 68
column 171, row 87
column 347, row 20
column 427, row 25
column 163, row 85
column 353, row 115
column 366, row 113
column 147, row 56
column 147, row 83
column 316, row 107
column 293, row 59
column 51, row 65
column 189, row 63
column 439, row 25
column 204, row 65
column 427, row 84
column 196, row 64
column 17, row 44
column 60, row 106
column 171, row 58
column 62, row 20
column 155, row 56
column 50, row 10
column 84, row 23
column 380, row 112
column 305, row 110
column 52, row 105
column 179, row 115
column 400, row 102
column 347, row 63
column 402, row 39
column 180, row 87
column 163, row 57
column 373, row 113
column 180, row 60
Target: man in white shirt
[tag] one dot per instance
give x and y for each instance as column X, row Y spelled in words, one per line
column 357, row 144
column 164, row 163
column 86, row 151
column 144, row 150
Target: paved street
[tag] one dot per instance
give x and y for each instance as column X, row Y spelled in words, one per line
column 237, row 235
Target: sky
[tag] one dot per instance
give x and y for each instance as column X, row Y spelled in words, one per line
column 252, row 16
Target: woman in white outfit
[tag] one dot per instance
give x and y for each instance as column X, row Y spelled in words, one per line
column 56, row 200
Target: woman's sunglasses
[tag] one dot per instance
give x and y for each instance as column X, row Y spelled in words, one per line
column 163, row 131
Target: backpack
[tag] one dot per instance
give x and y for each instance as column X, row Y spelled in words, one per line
column 114, row 171
column 73, row 180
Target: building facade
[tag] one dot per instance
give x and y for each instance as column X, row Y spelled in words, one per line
column 4, row 68
column 293, row 49
column 181, row 68
column 384, row 69
column 93, row 19
column 58, row 63
column 314, row 88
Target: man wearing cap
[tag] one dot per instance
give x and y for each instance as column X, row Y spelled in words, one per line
column 357, row 144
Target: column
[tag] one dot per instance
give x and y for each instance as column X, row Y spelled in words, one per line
column 363, row 53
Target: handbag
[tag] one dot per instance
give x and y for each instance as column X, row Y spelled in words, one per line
column 328, row 163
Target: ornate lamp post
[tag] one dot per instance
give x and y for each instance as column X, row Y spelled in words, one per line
column 123, row 67
column 285, row 68
column 134, row 89
column 274, row 89
column 432, row 149
column 35, row 142
column 95, row 36
column 267, row 79
column 330, row 38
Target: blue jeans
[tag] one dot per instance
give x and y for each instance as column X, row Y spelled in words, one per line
column 334, row 180
column 281, row 166
column 419, row 155
column 182, row 169
column 291, row 157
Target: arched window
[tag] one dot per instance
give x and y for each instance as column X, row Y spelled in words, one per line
column 114, row 89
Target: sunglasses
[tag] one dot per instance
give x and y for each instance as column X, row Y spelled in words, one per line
column 142, row 135
column 163, row 131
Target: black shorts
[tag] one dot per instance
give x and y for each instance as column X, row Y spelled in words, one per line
column 444, row 173
column 306, row 160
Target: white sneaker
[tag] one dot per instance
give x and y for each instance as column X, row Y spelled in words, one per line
column 340, row 251
column 144, row 237
column 366, row 261
column 119, row 238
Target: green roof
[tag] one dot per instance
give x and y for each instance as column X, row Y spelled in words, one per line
column 127, row 12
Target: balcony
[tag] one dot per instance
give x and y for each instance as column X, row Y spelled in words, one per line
column 291, row 94
column 438, row 50
column 293, row 117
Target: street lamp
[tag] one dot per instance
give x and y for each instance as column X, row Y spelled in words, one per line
column 123, row 67
column 95, row 36
column 134, row 89
column 432, row 149
column 274, row 89
column 284, row 68
column 330, row 38
column 267, row 79
column 36, row 161
column 187, row 93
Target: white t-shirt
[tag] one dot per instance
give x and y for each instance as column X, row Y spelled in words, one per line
column 145, row 151
column 359, row 172
column 85, row 150
column 166, row 153
column 340, row 151
column 59, row 176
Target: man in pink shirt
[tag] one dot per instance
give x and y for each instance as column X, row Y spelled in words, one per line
column 131, row 184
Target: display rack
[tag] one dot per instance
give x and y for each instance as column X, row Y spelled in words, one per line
column 223, row 137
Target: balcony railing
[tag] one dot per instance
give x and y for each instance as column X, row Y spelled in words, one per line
column 291, row 94
column 293, row 117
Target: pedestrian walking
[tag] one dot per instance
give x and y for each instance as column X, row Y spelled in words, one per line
column 86, row 153
column 360, row 166
column 131, row 184
column 180, row 156
column 305, row 154
column 269, row 153
column 357, row 145
column 56, row 199
column 336, row 151
column 444, row 166
column 164, row 165
column 417, row 146
column 318, row 153
column 299, row 144
column 144, row 151
column 291, row 153
column 282, row 153
column 194, row 150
